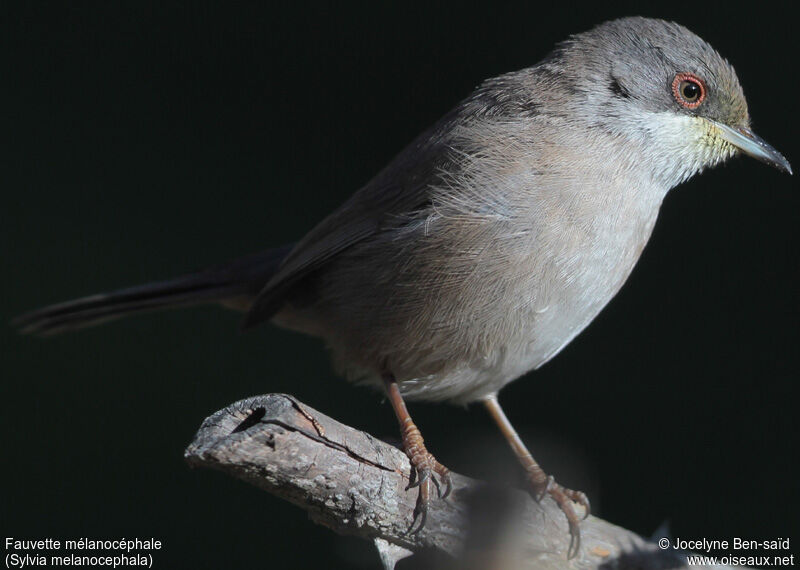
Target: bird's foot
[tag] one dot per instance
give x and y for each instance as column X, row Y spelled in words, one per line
column 564, row 498
column 425, row 473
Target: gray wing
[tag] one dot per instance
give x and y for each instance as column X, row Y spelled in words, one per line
column 402, row 187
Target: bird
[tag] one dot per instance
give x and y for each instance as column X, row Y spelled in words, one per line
column 493, row 238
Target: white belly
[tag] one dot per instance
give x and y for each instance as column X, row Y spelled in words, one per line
column 565, row 297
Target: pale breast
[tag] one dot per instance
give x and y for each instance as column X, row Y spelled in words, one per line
column 495, row 277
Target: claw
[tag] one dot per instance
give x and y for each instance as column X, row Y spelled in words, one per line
column 426, row 471
column 422, row 476
column 421, row 513
column 564, row 499
column 583, row 501
column 574, row 541
column 422, row 462
column 438, row 489
column 448, row 485
column 412, row 477
column 540, row 483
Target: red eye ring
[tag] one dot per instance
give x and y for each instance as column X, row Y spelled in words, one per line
column 688, row 84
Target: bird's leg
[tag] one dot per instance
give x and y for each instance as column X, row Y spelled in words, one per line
column 540, row 483
column 424, row 467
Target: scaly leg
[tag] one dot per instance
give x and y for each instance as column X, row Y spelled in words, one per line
column 423, row 464
column 540, row 483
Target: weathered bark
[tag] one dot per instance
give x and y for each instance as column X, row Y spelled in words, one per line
column 355, row 484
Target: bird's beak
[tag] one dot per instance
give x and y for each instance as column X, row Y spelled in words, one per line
column 749, row 143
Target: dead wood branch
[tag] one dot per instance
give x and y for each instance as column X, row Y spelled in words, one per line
column 355, row 484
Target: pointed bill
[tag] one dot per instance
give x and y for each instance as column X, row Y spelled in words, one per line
column 753, row 145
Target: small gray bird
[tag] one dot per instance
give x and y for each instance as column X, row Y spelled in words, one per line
column 495, row 237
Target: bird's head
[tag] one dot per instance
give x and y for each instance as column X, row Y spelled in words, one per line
column 663, row 88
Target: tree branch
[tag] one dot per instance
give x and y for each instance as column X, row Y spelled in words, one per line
column 355, row 484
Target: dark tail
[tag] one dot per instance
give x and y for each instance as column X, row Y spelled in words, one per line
column 240, row 278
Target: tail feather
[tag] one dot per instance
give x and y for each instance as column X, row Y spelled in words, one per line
column 242, row 277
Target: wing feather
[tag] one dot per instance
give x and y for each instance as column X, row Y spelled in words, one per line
column 402, row 187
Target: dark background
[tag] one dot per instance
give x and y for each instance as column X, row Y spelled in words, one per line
column 146, row 141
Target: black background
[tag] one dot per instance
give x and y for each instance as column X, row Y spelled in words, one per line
column 146, row 141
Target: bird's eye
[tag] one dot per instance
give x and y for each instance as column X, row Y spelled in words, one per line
column 689, row 90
